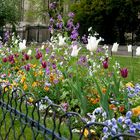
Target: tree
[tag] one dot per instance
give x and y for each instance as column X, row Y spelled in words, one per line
column 110, row 18
column 39, row 9
column 9, row 12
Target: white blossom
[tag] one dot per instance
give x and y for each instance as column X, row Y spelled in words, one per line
column 115, row 47
column 22, row 45
column 129, row 48
column 93, row 43
column 75, row 50
column 61, row 40
column 42, row 47
column 138, row 51
column 29, row 52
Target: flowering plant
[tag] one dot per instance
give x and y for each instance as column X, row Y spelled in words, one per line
column 78, row 76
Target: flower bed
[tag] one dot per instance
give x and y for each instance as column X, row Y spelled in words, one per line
column 78, row 76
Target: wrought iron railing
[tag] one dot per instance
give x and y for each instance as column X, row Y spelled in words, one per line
column 22, row 118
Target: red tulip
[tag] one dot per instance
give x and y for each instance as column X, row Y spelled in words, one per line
column 4, row 59
column 124, row 72
column 26, row 56
column 105, row 64
column 16, row 55
column 10, row 58
column 38, row 55
column 44, row 64
column 27, row 67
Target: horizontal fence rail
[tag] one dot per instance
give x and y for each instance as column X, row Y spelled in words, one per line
column 23, row 118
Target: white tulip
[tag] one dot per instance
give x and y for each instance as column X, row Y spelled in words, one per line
column 29, row 52
column 138, row 51
column 22, row 45
column 61, row 40
column 115, row 47
column 93, row 43
column 42, row 47
column 75, row 50
column 129, row 48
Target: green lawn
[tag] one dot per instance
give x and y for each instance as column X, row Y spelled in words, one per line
column 133, row 65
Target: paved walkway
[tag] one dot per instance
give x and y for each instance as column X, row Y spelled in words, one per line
column 122, row 50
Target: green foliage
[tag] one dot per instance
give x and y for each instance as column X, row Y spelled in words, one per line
column 38, row 10
column 9, row 12
column 110, row 18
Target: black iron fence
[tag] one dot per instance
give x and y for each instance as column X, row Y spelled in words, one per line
column 32, row 33
column 23, row 118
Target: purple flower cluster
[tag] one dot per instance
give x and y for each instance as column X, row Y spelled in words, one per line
column 6, row 36
column 70, row 24
column 124, row 124
column 59, row 23
column 85, row 39
column 83, row 61
column 52, row 5
column 74, row 34
column 133, row 91
column 71, row 14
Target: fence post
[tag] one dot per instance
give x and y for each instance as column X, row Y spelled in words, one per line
column 132, row 53
column 38, row 34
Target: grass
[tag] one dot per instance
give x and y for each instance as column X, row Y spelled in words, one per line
column 133, row 65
